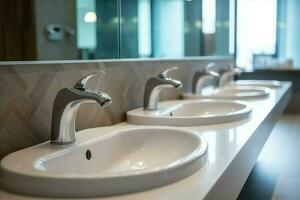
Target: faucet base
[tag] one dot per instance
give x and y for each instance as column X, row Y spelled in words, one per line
column 63, row 143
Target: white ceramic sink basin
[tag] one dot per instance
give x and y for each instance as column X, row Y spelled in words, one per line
column 233, row 92
column 262, row 83
column 120, row 161
column 191, row 113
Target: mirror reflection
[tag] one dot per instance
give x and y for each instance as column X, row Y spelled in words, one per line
column 58, row 30
column 97, row 29
column 114, row 29
column 174, row 28
column 101, row 29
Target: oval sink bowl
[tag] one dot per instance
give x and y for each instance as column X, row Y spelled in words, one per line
column 261, row 83
column 191, row 113
column 116, row 162
column 233, row 92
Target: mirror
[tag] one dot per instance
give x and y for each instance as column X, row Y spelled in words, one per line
column 116, row 29
column 97, row 29
column 175, row 28
column 58, row 30
column 102, row 29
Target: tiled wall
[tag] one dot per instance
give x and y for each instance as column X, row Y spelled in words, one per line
column 27, row 92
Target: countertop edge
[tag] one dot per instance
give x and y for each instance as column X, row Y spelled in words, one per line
column 246, row 158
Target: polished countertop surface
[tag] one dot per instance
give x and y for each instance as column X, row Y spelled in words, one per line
column 228, row 145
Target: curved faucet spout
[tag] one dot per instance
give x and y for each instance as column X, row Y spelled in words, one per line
column 228, row 75
column 200, row 77
column 65, row 108
column 153, row 87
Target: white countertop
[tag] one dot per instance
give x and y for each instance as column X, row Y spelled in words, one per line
column 232, row 151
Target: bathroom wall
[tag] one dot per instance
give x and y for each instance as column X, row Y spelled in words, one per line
column 27, row 92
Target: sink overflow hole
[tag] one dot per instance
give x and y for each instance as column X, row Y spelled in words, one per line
column 88, row 154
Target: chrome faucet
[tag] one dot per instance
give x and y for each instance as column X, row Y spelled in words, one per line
column 200, row 77
column 66, row 104
column 154, row 86
column 228, row 75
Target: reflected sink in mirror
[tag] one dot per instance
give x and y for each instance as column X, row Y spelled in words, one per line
column 261, row 83
column 232, row 92
column 105, row 162
column 191, row 113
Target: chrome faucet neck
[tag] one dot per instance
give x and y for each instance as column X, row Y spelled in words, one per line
column 200, row 77
column 154, row 85
column 65, row 108
column 228, row 75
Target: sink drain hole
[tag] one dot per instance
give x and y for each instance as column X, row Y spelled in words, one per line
column 88, row 154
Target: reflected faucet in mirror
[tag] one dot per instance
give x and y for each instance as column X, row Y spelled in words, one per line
column 155, row 84
column 66, row 104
